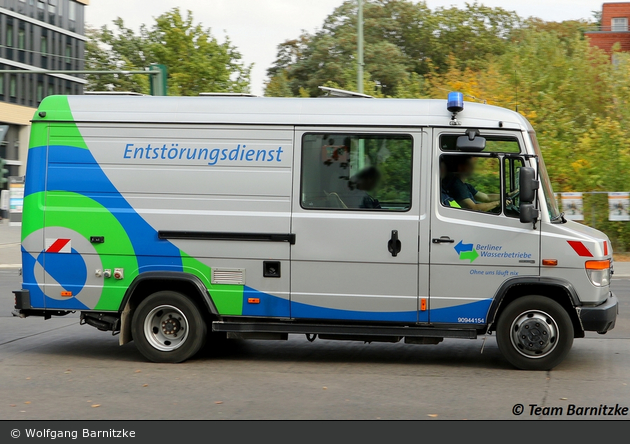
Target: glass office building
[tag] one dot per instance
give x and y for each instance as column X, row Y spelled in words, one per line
column 36, row 34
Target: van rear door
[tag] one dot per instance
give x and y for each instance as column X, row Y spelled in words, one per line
column 355, row 217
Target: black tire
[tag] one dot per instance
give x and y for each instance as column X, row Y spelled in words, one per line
column 534, row 333
column 168, row 327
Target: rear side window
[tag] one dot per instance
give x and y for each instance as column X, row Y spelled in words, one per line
column 356, row 172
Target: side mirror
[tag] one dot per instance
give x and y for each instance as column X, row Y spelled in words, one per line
column 528, row 184
column 529, row 213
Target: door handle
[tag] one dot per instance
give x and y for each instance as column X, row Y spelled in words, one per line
column 394, row 246
column 443, row 240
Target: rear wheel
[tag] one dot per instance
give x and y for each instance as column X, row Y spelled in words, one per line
column 168, row 327
column 534, row 333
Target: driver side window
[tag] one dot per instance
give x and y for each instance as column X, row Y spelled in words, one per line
column 471, row 182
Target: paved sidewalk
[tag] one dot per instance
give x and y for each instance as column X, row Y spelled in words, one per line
column 10, row 257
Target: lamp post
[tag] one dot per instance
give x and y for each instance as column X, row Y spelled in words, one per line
column 360, row 48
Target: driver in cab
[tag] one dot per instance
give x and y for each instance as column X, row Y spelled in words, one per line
column 466, row 195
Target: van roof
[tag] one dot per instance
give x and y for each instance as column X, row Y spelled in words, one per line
column 275, row 111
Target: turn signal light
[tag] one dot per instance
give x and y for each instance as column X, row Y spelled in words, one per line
column 598, row 272
column 423, row 304
column 253, row 300
column 550, row 262
column 597, row 265
column 66, row 294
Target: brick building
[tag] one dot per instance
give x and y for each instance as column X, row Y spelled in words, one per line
column 613, row 28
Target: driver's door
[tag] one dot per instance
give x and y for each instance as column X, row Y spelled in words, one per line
column 474, row 252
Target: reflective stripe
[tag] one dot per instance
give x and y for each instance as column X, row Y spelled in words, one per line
column 580, row 248
column 58, row 246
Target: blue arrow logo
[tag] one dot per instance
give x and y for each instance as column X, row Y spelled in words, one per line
column 461, row 247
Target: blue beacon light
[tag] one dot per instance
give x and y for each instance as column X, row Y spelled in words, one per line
column 455, row 102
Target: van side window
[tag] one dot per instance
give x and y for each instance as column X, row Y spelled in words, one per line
column 471, row 183
column 356, row 172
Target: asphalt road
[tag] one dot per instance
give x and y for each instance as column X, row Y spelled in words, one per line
column 56, row 369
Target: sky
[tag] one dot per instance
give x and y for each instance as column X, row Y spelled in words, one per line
column 256, row 27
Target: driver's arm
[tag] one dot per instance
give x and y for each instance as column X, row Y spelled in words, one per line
column 483, row 197
column 484, row 206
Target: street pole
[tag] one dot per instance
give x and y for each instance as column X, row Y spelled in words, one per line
column 360, row 48
column 360, row 75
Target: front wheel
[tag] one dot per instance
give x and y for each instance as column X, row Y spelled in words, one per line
column 168, row 327
column 534, row 333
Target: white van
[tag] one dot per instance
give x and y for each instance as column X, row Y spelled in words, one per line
column 174, row 220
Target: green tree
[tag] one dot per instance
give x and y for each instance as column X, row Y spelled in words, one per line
column 196, row 61
column 101, row 55
column 402, row 38
column 278, row 86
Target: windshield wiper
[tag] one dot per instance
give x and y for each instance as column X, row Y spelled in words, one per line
column 559, row 217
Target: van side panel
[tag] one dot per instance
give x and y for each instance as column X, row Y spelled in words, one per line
column 210, row 179
column 112, row 189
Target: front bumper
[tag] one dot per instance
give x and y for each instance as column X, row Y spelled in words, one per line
column 600, row 318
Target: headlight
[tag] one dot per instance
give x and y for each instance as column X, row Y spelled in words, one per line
column 598, row 272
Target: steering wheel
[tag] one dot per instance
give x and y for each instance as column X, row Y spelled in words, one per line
column 509, row 203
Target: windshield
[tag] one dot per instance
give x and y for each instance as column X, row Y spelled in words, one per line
column 550, row 198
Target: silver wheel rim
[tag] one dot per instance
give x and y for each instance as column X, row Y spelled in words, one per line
column 166, row 328
column 534, row 334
